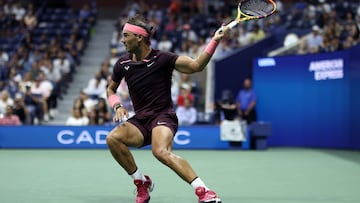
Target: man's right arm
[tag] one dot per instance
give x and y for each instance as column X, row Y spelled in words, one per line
column 112, row 87
column 115, row 102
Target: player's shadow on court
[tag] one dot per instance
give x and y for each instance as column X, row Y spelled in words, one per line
column 352, row 156
column 108, row 199
column 130, row 199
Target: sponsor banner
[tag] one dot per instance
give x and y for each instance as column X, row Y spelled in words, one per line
column 193, row 137
column 307, row 98
column 328, row 69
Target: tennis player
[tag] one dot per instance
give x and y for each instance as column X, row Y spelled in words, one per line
column 148, row 75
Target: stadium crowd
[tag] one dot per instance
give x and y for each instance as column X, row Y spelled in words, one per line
column 334, row 25
column 41, row 48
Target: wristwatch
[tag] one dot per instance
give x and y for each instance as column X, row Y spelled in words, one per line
column 117, row 106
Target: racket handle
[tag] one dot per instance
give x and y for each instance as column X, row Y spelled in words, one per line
column 232, row 24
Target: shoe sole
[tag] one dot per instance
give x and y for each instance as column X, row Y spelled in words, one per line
column 147, row 200
column 212, row 201
column 151, row 187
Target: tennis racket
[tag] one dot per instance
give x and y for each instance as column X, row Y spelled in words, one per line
column 253, row 10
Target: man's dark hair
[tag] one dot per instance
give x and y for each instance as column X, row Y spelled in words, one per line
column 142, row 22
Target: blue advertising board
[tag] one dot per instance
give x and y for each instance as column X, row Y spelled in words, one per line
column 309, row 99
column 194, row 137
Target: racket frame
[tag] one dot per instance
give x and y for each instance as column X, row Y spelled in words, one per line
column 241, row 17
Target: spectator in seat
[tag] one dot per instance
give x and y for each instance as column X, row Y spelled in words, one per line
column 349, row 42
column 42, row 89
column 30, row 20
column 26, row 81
column 85, row 11
column 77, row 118
column 257, row 34
column 100, row 115
column 5, row 100
column 19, row 11
column 79, row 104
column 33, row 105
column 175, row 89
column 189, row 34
column 191, row 84
column 77, row 39
column 9, row 118
column 54, row 76
column 96, row 86
column 105, row 70
column 185, row 79
column 126, row 102
column 20, row 109
column 63, row 64
column 88, row 102
column 113, row 57
column 184, row 94
column 86, row 14
column 4, row 58
column 315, row 40
column 165, row 44
column 187, row 113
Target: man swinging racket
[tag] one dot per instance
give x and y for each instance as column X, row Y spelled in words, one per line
column 148, row 74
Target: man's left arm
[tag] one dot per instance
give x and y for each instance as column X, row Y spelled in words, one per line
column 185, row 64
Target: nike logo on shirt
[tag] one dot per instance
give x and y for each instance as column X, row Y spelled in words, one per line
column 150, row 64
column 161, row 123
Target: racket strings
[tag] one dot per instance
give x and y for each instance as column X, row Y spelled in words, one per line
column 254, row 13
column 256, row 7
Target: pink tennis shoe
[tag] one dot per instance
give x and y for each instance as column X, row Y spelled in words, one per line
column 143, row 189
column 207, row 196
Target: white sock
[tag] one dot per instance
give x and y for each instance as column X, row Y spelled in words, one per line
column 197, row 182
column 137, row 175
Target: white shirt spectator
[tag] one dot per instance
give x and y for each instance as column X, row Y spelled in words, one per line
column 315, row 39
column 113, row 58
column 323, row 7
column 77, row 119
column 5, row 100
column 89, row 103
column 116, row 42
column 186, row 114
column 175, row 90
column 72, row 121
column 19, row 11
column 96, row 86
column 63, row 64
column 4, row 57
column 53, row 74
column 8, row 7
column 165, row 44
column 189, row 34
column 42, row 88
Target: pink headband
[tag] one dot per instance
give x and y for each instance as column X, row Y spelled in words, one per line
column 136, row 29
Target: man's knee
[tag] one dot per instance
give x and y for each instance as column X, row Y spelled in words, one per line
column 113, row 138
column 163, row 155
